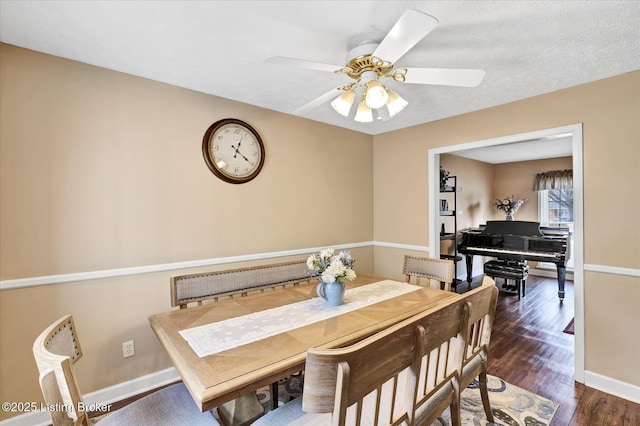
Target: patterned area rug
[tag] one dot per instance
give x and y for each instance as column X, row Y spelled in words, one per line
column 511, row 405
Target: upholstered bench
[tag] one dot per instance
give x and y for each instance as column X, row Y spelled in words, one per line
column 226, row 284
column 509, row 270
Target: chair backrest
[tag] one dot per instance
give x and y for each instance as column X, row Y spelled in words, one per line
column 444, row 339
column 213, row 286
column 483, row 302
column 424, row 270
column 383, row 379
column 56, row 349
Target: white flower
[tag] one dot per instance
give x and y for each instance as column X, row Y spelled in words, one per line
column 328, row 277
column 350, row 274
column 336, row 268
column 327, row 253
column 311, row 260
column 332, row 267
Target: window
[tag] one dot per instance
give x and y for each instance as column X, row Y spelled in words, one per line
column 555, row 208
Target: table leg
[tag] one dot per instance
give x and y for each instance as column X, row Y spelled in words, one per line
column 274, row 395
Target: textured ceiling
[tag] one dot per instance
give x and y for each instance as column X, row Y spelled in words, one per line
column 218, row 47
column 560, row 145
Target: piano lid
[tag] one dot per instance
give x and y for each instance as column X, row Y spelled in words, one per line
column 513, row 227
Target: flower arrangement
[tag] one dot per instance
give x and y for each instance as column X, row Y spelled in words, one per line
column 509, row 205
column 332, row 267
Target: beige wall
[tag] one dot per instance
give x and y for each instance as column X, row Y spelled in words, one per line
column 102, row 170
column 93, row 158
column 517, row 179
column 609, row 110
column 476, row 178
column 611, row 331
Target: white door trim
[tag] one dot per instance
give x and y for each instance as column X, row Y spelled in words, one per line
column 575, row 131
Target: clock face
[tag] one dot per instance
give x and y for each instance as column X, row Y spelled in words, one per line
column 233, row 150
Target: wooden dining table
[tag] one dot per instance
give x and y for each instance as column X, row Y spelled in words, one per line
column 215, row 379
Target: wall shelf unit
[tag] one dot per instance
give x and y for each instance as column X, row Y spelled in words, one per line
column 449, row 222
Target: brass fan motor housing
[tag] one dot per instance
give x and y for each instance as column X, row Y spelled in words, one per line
column 358, row 65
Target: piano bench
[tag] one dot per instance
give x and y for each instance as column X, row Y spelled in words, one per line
column 509, row 270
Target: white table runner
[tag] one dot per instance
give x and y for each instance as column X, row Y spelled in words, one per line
column 220, row 336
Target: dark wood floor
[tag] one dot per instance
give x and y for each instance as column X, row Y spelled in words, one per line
column 529, row 349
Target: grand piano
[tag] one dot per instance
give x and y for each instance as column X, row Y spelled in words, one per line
column 518, row 241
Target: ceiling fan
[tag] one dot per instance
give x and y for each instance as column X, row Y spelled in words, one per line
column 369, row 62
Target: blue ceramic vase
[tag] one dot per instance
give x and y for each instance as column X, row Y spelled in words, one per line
column 332, row 293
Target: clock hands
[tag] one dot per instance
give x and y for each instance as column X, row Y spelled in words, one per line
column 239, row 153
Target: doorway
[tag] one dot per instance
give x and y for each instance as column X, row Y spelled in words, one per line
column 574, row 132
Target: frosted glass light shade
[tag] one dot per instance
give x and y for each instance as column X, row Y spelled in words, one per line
column 395, row 104
column 376, row 95
column 364, row 113
column 342, row 104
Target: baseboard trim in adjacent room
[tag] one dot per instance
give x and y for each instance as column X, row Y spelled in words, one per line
column 549, row 273
column 612, row 386
column 108, row 395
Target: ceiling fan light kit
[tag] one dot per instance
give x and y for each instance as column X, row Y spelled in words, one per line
column 395, row 104
column 376, row 95
column 370, row 100
column 342, row 104
column 370, row 61
column 364, row 113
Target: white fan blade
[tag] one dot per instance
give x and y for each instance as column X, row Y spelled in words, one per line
column 333, row 93
column 444, row 76
column 412, row 26
column 300, row 63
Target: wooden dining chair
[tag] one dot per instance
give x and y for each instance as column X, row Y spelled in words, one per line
column 426, row 270
column 483, row 301
column 406, row 374
column 57, row 349
column 444, row 340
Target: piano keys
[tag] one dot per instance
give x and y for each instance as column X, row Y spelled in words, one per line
column 518, row 240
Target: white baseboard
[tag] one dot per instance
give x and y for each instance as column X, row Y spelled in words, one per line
column 549, row 273
column 612, row 386
column 104, row 396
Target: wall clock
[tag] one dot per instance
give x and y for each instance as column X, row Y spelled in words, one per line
column 233, row 150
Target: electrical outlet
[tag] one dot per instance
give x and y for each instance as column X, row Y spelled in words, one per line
column 128, row 349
